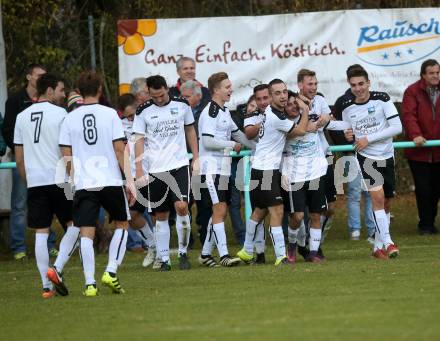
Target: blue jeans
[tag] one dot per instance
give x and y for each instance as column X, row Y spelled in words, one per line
column 354, row 193
column 133, row 240
column 235, row 207
column 18, row 221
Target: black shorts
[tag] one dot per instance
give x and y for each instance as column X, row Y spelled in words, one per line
column 216, row 189
column 329, row 183
column 310, row 194
column 168, row 187
column 142, row 202
column 378, row 173
column 45, row 201
column 265, row 188
column 86, row 205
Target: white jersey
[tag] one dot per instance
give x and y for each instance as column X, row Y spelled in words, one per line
column 253, row 118
column 216, row 122
column 304, row 157
column 377, row 119
column 164, row 131
column 90, row 131
column 128, row 131
column 37, row 129
column 272, row 138
column 320, row 107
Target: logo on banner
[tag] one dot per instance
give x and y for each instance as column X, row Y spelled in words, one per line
column 404, row 43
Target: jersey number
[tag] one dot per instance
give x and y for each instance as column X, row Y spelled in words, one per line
column 37, row 117
column 90, row 132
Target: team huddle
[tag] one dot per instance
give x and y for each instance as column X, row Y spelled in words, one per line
column 75, row 163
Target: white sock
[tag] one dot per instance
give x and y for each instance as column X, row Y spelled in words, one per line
column 208, row 245
column 116, row 250
column 326, row 225
column 260, row 239
column 183, row 227
column 279, row 246
column 302, row 234
column 162, row 233
column 88, row 259
column 378, row 244
column 68, row 245
column 147, row 235
column 42, row 257
column 382, row 225
column 220, row 238
column 315, row 239
column 292, row 235
column 251, row 233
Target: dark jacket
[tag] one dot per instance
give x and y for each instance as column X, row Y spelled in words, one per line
column 421, row 118
column 14, row 105
column 337, row 136
column 206, row 95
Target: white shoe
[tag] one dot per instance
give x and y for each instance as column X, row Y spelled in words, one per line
column 149, row 258
column 370, row 239
column 157, row 264
column 355, row 235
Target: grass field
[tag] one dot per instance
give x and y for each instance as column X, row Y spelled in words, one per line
column 351, row 296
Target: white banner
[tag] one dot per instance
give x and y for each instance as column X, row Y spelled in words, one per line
column 391, row 44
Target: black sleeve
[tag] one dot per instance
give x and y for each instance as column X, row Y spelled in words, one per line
column 11, row 112
column 337, row 136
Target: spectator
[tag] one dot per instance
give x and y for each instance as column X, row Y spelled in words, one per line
column 139, row 89
column 186, row 69
column 14, row 105
column 421, row 120
column 192, row 92
column 3, row 145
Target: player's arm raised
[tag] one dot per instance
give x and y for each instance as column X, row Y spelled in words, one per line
column 301, row 128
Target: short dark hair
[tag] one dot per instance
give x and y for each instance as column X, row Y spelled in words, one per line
column 88, row 83
column 354, row 67
column 274, row 82
column 303, row 73
column 215, row 79
column 426, row 64
column 46, row 81
column 125, row 101
column 156, row 82
column 291, row 93
column 261, row 87
column 250, row 99
column 30, row 68
column 357, row 72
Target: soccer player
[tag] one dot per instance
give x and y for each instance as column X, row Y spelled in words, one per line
column 308, row 87
column 371, row 119
column 163, row 127
column 127, row 104
column 37, row 155
column 304, row 169
column 92, row 137
column 265, row 172
column 252, row 125
column 216, row 128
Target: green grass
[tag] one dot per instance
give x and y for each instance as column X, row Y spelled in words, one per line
column 351, row 296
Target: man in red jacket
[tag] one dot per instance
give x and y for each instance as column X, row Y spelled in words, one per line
column 421, row 120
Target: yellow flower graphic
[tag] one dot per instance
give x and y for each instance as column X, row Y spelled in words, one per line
column 124, row 88
column 131, row 33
